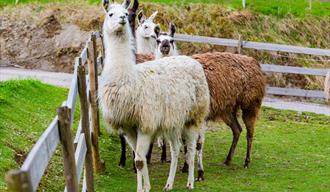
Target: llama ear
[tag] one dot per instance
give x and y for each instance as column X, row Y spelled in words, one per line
column 135, row 6
column 157, row 30
column 126, row 4
column 105, row 5
column 141, row 17
column 152, row 17
column 172, row 29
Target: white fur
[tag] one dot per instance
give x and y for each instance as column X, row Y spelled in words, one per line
column 146, row 36
column 168, row 96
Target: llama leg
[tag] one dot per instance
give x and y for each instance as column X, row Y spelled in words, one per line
column 175, row 149
column 249, row 118
column 142, row 147
column 122, row 161
column 199, row 148
column 163, row 157
column 149, row 153
column 191, row 151
column 185, row 165
column 131, row 140
column 232, row 122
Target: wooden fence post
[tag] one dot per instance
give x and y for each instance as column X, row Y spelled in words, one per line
column 18, row 181
column 239, row 44
column 70, row 173
column 327, row 86
column 84, row 116
column 95, row 123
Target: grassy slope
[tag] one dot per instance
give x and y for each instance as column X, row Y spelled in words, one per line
column 278, row 8
column 291, row 150
column 26, row 108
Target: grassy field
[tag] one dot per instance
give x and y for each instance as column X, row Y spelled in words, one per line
column 278, row 8
column 291, row 150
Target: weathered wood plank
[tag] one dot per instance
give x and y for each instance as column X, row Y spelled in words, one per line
column 76, row 138
column 295, row 92
column 73, row 91
column 295, row 70
column 84, row 185
column 83, row 54
column 95, row 124
column 84, row 116
column 70, row 170
column 41, row 153
column 80, row 155
column 327, row 86
column 19, row 181
column 253, row 45
column 285, row 48
column 208, row 40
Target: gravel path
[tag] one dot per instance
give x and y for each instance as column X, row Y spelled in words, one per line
column 64, row 79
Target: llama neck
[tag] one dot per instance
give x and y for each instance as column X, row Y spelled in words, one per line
column 119, row 55
column 145, row 45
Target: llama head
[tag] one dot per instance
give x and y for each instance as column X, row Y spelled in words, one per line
column 132, row 15
column 165, row 42
column 146, row 27
column 116, row 17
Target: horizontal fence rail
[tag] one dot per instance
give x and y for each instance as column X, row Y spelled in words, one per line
column 78, row 153
column 41, row 153
column 252, row 45
column 295, row 70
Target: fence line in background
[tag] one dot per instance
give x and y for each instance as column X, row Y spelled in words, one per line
column 240, row 44
column 252, row 45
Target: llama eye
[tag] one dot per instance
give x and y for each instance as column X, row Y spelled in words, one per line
column 126, row 14
column 158, row 41
column 145, row 27
column 111, row 14
column 172, row 41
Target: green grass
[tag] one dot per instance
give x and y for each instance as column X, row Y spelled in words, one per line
column 291, row 151
column 278, row 8
column 26, row 109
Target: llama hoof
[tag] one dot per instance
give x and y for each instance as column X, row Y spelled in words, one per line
column 190, row 186
column 200, row 175
column 168, row 187
column 227, row 162
column 147, row 189
column 246, row 165
column 185, row 168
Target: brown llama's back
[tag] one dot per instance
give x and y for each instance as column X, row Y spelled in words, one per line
column 235, row 81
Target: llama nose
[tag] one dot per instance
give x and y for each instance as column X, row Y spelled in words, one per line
column 122, row 17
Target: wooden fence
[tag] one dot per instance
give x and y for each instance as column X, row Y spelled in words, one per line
column 79, row 154
column 271, row 68
column 82, row 152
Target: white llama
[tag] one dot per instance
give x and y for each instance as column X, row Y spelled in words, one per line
column 145, row 34
column 168, row 96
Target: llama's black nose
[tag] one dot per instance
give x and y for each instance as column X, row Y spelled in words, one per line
column 122, row 17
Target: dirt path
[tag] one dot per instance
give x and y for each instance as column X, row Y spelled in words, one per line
column 64, row 79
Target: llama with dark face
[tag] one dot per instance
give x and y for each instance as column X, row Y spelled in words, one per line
column 235, row 82
column 167, row 97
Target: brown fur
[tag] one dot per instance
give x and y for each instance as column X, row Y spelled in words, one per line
column 235, row 82
column 141, row 58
